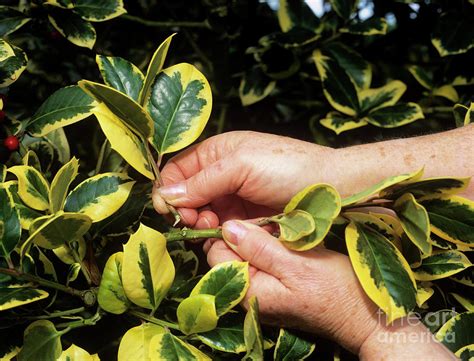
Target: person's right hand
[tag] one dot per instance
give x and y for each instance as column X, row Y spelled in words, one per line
column 238, row 175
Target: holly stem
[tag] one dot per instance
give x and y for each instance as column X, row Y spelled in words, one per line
column 46, row 283
column 153, row 320
column 80, row 323
column 56, row 314
column 192, row 234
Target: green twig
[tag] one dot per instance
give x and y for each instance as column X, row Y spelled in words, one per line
column 166, row 24
column 153, row 320
column 192, row 234
column 45, row 283
column 101, row 158
column 80, row 323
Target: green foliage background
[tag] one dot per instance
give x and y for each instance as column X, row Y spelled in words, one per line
column 247, row 47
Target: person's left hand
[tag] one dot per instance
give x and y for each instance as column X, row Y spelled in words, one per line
column 315, row 291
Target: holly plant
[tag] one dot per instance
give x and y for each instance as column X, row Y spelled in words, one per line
column 79, row 249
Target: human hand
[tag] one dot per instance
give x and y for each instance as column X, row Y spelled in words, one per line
column 317, row 291
column 238, row 175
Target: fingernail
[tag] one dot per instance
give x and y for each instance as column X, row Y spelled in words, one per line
column 232, row 231
column 173, row 192
column 160, row 204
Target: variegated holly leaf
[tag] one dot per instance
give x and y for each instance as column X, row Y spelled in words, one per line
column 352, row 62
column 19, row 295
column 380, row 186
column 12, row 67
column 123, row 140
column 457, row 332
column 427, row 187
column 75, row 353
column 463, row 115
column 111, row 295
column 395, row 115
column 415, row 222
column 94, row 10
column 373, row 26
column 120, row 74
column 11, row 20
column 465, row 302
column 197, row 314
column 27, row 215
column 375, row 98
column 451, row 218
column 255, row 86
column 382, row 271
column 296, row 14
column 253, row 333
column 339, row 89
column 423, row 76
column 10, row 229
column 135, row 344
column 6, row 51
column 128, row 215
column 228, row 282
column 60, row 184
column 292, row 347
column 423, row 293
column 376, row 224
column 154, row 68
column 453, row 34
column 41, row 338
column 228, row 336
column 446, row 91
column 100, row 196
column 57, row 230
column 130, row 113
column 465, row 353
column 78, row 31
column 339, row 123
column 166, row 346
column 441, row 264
column 147, row 268
column 33, row 188
column 294, row 225
column 64, row 107
column 323, row 202
column 180, row 104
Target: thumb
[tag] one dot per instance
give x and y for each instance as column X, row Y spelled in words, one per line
column 258, row 247
column 216, row 180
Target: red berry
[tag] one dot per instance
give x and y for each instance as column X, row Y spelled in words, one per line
column 2, row 115
column 11, row 143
